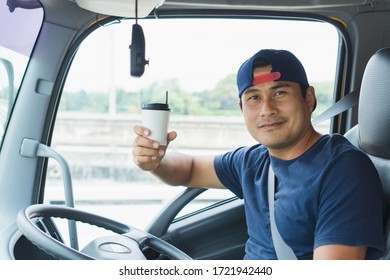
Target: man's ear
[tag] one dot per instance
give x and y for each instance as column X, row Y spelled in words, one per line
column 239, row 102
column 311, row 98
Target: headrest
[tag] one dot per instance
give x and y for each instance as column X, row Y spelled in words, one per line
column 374, row 106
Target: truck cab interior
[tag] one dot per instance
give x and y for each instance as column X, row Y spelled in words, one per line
column 73, row 77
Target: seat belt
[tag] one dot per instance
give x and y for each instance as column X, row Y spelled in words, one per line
column 348, row 101
column 283, row 251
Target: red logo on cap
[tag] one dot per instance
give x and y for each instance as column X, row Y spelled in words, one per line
column 266, row 78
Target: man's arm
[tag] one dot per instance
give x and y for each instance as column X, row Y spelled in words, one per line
column 340, row 252
column 174, row 169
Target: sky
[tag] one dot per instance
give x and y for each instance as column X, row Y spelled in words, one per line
column 199, row 54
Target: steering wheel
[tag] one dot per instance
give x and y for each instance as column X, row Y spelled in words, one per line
column 128, row 244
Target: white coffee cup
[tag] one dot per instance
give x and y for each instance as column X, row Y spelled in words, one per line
column 155, row 117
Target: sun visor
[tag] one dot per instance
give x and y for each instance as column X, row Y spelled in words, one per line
column 122, row 8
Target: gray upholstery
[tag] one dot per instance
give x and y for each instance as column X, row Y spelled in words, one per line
column 372, row 133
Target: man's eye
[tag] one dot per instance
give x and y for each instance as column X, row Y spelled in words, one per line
column 254, row 97
column 278, row 93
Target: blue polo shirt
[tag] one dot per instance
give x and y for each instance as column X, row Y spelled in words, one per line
column 331, row 194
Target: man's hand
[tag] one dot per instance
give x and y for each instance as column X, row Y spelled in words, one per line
column 147, row 153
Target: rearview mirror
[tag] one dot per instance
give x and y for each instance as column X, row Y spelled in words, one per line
column 137, row 51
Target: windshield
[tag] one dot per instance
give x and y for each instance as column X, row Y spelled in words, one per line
column 19, row 28
column 195, row 60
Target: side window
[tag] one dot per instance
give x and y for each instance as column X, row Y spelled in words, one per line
column 15, row 51
column 196, row 62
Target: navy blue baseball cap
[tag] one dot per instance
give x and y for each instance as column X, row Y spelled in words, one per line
column 285, row 67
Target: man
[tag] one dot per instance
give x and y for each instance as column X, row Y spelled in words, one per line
column 328, row 199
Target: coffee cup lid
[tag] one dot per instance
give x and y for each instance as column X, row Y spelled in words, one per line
column 156, row 106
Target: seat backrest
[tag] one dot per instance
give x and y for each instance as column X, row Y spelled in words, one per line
column 372, row 133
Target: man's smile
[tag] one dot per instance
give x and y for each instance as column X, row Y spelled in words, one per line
column 268, row 125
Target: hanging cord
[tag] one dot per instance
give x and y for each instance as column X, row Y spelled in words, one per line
column 136, row 11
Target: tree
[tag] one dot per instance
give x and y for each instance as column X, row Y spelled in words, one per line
column 180, row 101
column 222, row 100
column 84, row 102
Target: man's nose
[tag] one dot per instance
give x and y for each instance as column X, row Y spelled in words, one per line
column 267, row 107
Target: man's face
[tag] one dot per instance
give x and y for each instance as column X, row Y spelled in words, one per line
column 276, row 113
